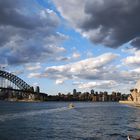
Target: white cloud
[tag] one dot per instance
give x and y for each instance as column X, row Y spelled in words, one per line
column 68, row 7
column 32, row 67
column 84, row 69
column 70, row 58
column 100, row 72
column 133, row 60
column 76, row 55
column 59, row 81
column 137, row 70
column 129, row 50
column 97, row 84
column 34, row 75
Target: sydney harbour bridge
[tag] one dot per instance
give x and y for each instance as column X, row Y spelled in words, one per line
column 14, row 88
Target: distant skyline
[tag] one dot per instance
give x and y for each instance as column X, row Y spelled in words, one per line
column 61, row 45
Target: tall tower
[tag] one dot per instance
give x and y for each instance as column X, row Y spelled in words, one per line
column 37, row 89
column 74, row 91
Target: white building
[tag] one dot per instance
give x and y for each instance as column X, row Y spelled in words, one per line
column 135, row 93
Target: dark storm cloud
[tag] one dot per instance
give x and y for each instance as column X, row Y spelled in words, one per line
column 27, row 33
column 118, row 20
column 10, row 14
column 136, row 43
column 16, row 13
column 19, row 50
column 107, row 22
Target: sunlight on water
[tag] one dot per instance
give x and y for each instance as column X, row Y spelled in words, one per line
column 31, row 113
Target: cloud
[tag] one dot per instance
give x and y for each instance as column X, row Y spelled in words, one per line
column 106, row 22
column 73, row 56
column 58, row 82
column 129, row 50
column 133, row 60
column 17, row 72
column 84, row 69
column 28, row 33
column 97, row 84
column 137, row 70
column 31, row 67
column 110, row 78
column 99, row 72
column 136, row 42
column 76, row 55
column 35, row 75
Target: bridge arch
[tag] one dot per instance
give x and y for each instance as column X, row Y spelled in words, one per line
column 22, row 85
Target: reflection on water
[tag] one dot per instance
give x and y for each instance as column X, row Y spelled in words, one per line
column 55, row 121
column 30, row 113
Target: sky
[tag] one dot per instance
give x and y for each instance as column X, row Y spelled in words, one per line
column 61, row 45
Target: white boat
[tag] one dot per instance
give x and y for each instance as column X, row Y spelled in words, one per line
column 71, row 105
column 132, row 138
column 128, row 138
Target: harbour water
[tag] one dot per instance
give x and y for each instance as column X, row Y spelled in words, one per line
column 55, row 121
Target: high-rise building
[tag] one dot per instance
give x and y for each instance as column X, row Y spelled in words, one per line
column 74, row 91
column 37, row 89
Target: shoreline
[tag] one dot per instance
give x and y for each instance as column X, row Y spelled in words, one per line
column 130, row 103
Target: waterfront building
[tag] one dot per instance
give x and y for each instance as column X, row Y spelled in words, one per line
column 37, row 89
column 92, row 91
column 74, row 91
column 105, row 97
column 94, row 98
column 135, row 93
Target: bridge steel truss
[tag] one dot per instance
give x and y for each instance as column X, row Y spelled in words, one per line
column 22, row 85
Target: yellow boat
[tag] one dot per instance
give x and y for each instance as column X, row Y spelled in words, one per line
column 71, row 105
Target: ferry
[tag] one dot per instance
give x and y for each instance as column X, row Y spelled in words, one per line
column 71, row 105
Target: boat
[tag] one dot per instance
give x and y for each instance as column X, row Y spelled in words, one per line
column 132, row 138
column 128, row 138
column 71, row 105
